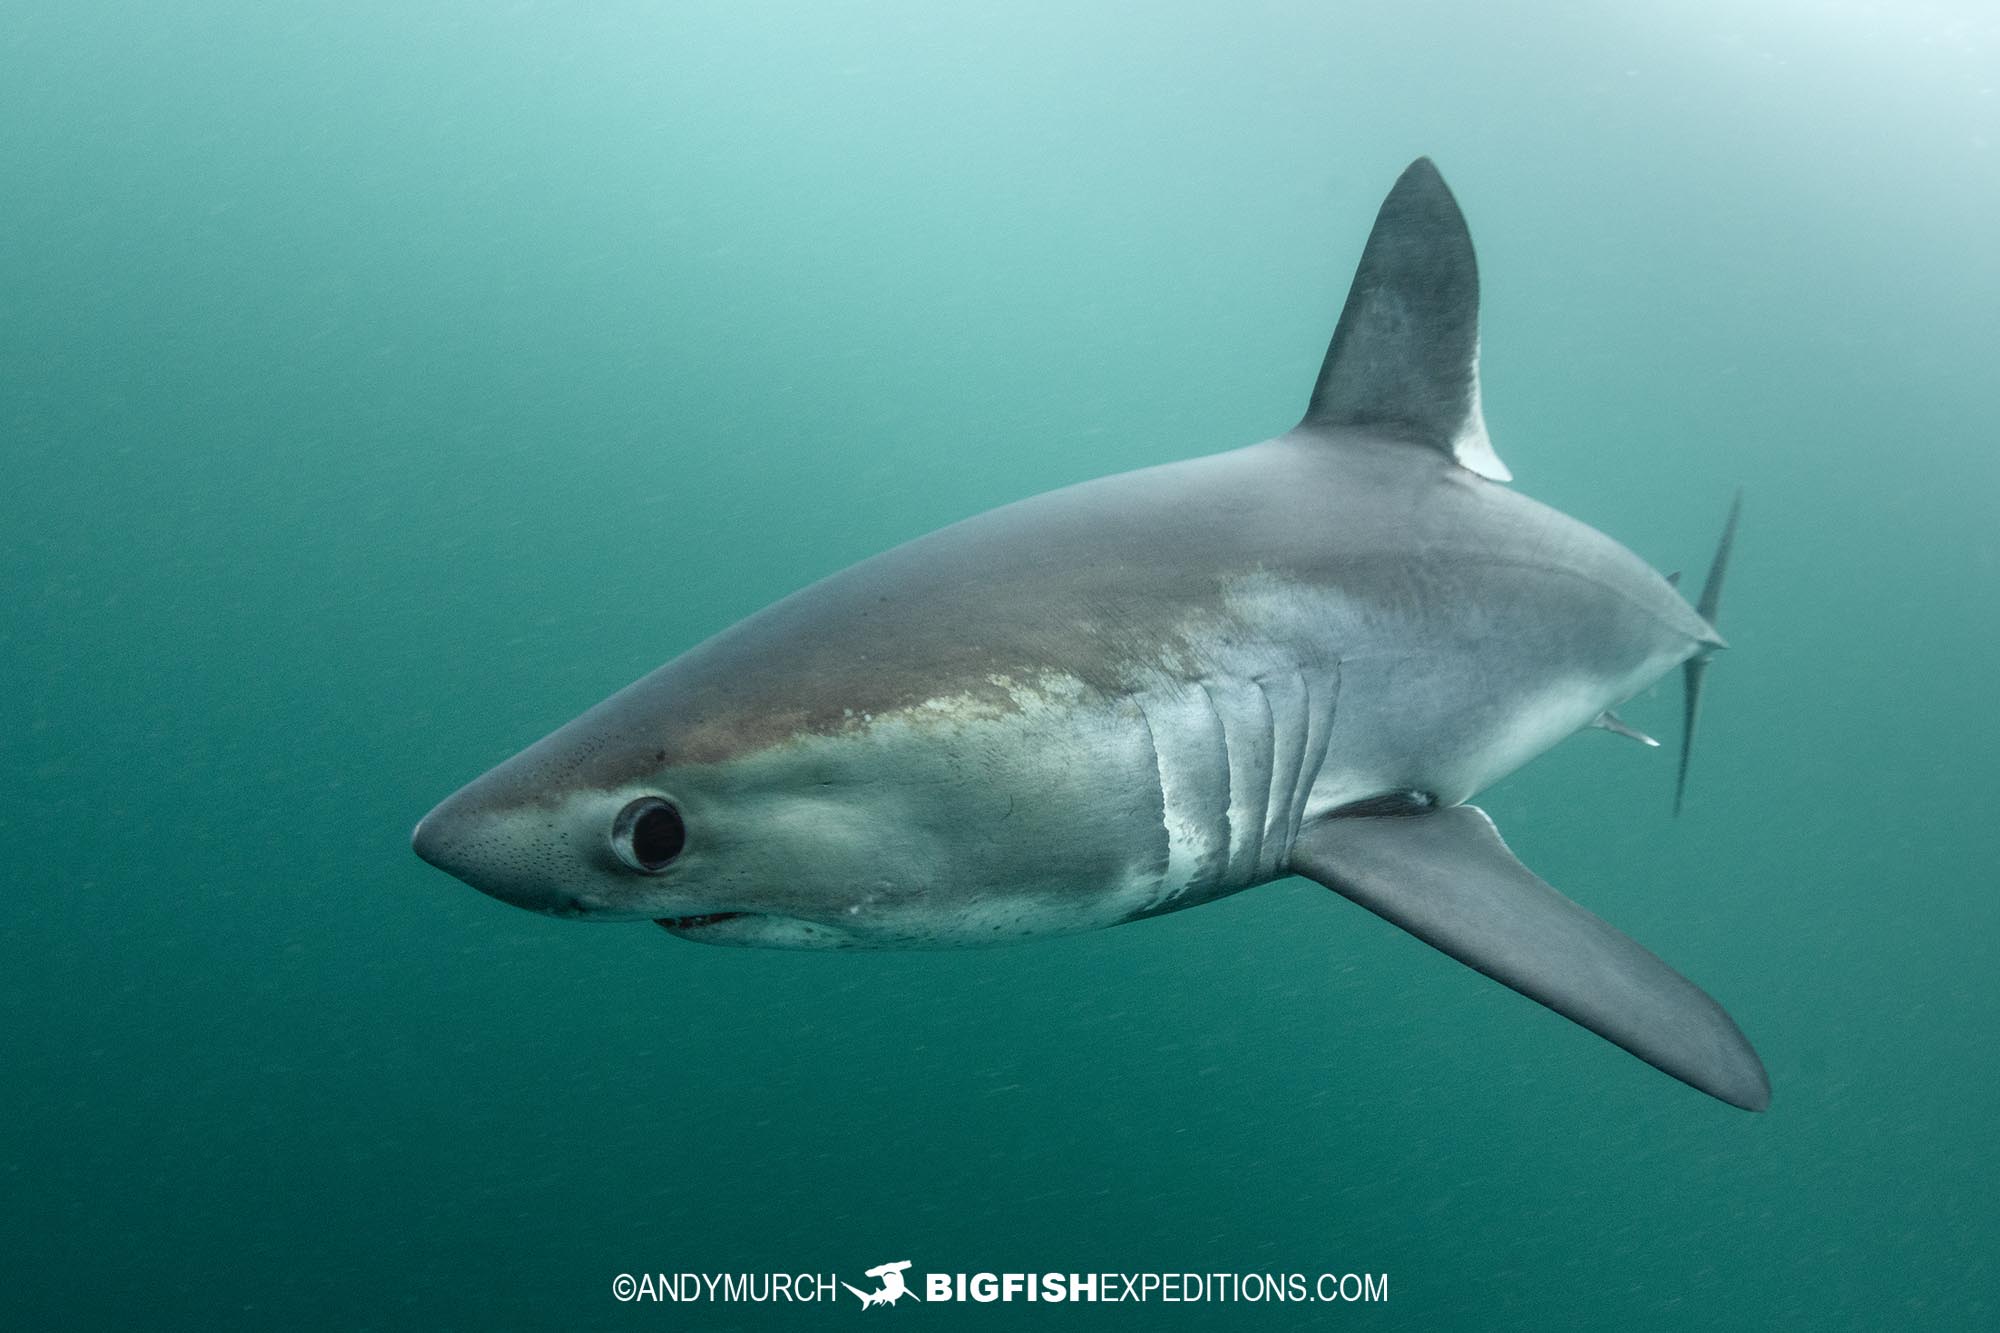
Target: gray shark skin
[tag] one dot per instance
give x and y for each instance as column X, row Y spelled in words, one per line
column 1145, row 692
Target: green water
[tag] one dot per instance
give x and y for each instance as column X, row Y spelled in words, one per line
column 383, row 383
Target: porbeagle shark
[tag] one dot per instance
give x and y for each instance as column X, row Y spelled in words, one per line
column 1145, row 692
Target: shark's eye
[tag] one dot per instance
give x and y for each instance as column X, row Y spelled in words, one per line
column 648, row 834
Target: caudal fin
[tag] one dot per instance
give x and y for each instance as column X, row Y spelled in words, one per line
column 1696, row 668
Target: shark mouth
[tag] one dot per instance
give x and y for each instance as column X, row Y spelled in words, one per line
column 680, row 923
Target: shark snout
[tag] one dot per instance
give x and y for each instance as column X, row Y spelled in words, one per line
column 439, row 839
column 485, row 846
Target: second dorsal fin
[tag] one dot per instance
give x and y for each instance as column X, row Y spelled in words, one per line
column 1405, row 356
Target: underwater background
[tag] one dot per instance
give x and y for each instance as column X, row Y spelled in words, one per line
column 381, row 384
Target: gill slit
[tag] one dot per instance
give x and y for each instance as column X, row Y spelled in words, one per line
column 1321, row 715
column 1221, row 860
column 1260, row 825
column 1280, row 812
column 1165, row 889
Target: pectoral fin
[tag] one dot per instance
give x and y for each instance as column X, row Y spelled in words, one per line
column 1447, row 878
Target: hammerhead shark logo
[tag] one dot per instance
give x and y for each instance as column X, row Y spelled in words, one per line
column 893, row 1287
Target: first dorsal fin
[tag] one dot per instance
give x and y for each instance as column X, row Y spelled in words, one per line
column 1405, row 357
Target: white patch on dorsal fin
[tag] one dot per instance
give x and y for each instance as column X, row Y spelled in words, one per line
column 1404, row 364
column 1472, row 446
